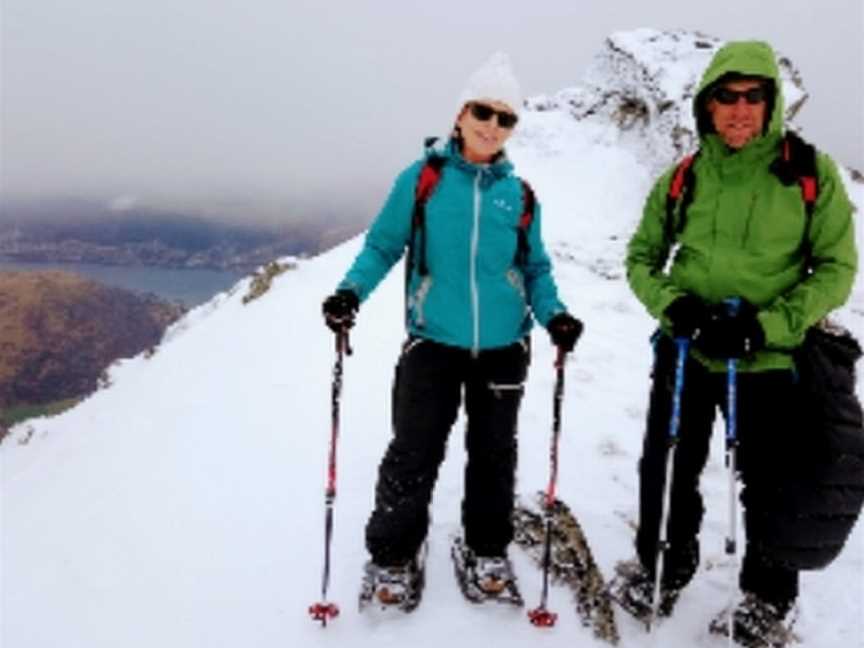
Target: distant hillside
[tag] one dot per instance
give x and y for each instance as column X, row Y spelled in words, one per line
column 59, row 332
column 77, row 231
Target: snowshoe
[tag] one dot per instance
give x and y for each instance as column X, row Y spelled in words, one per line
column 485, row 578
column 632, row 588
column 397, row 587
column 572, row 562
column 757, row 624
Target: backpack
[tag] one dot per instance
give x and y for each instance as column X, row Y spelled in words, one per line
column 795, row 163
column 806, row 520
column 812, row 511
column 430, row 174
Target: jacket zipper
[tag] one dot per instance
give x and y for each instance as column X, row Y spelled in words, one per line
column 475, row 240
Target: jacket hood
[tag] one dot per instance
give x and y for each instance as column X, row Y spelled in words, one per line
column 746, row 59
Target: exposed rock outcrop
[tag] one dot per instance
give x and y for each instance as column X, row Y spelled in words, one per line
column 642, row 84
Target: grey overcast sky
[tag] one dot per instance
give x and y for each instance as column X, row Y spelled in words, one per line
column 277, row 108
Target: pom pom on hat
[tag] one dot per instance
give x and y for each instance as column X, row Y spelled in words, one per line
column 494, row 81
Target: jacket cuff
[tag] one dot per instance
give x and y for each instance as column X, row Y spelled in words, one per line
column 345, row 284
column 664, row 302
column 773, row 324
column 544, row 318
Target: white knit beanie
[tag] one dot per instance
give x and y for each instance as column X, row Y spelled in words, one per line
column 494, row 81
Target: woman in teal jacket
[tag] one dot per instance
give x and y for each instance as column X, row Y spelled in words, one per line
column 471, row 293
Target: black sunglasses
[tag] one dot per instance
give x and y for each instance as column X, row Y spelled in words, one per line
column 484, row 112
column 729, row 97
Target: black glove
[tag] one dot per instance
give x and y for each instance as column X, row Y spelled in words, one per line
column 339, row 310
column 564, row 329
column 688, row 315
column 731, row 335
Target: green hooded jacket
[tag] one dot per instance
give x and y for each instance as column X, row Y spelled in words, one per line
column 744, row 229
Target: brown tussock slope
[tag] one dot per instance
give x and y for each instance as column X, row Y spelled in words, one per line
column 59, row 331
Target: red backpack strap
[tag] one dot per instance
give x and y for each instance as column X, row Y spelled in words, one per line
column 525, row 219
column 809, row 191
column 676, row 187
column 803, row 160
column 797, row 164
column 679, row 195
column 428, row 179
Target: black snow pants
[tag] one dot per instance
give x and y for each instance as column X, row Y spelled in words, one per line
column 427, row 393
column 764, row 421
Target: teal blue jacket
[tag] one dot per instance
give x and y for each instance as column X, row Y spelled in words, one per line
column 474, row 296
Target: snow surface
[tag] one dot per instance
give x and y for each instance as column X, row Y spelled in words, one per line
column 183, row 505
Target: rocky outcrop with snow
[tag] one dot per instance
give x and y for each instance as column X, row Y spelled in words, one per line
column 642, row 84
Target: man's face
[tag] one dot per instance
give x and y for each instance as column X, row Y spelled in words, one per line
column 737, row 109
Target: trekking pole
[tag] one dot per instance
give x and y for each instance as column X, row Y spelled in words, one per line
column 731, row 547
column 683, row 345
column 540, row 616
column 322, row 611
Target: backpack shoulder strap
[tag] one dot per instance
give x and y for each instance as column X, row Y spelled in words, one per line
column 525, row 220
column 679, row 196
column 796, row 163
column 428, row 179
column 800, row 159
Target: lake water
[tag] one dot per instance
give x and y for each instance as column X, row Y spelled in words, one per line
column 190, row 287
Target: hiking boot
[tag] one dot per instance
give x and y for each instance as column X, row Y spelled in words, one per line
column 633, row 589
column 396, row 586
column 483, row 578
column 492, row 573
column 757, row 623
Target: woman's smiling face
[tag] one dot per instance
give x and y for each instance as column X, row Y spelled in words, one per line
column 483, row 139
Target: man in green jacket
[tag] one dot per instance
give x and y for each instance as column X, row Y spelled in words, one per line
column 744, row 238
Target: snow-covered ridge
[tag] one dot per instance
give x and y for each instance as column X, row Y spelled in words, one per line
column 642, row 83
column 183, row 506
